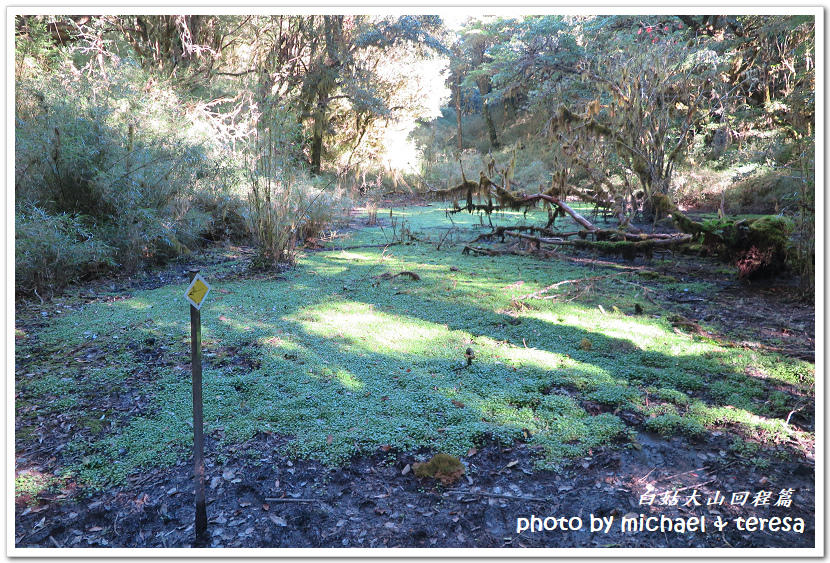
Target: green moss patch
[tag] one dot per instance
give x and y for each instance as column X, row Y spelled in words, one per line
column 343, row 361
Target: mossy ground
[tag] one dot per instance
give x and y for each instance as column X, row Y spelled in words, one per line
column 345, row 361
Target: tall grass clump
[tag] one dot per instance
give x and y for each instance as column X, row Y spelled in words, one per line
column 286, row 206
column 804, row 259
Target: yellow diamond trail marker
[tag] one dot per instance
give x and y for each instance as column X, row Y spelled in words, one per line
column 197, row 291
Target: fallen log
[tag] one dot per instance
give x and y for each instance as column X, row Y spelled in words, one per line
column 628, row 249
column 516, row 202
column 484, row 251
column 654, row 240
column 539, row 240
column 499, row 232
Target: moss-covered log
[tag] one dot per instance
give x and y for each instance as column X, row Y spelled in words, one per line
column 754, row 245
column 631, row 249
column 499, row 232
column 625, row 248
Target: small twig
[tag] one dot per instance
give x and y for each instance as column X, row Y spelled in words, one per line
column 493, row 495
column 694, row 486
column 445, row 236
column 643, row 478
column 646, row 291
column 679, row 474
column 792, row 412
column 290, row 500
column 538, row 294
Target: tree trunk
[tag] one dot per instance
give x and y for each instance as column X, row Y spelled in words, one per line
column 457, row 95
column 484, row 88
column 329, row 70
column 317, row 139
column 491, row 127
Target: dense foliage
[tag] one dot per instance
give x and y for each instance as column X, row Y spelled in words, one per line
column 715, row 112
column 145, row 136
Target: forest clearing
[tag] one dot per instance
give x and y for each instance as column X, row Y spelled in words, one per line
column 565, row 300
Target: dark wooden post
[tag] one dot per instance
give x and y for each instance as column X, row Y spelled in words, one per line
column 198, row 430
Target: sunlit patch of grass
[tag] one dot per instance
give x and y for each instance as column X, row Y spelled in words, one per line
column 788, row 371
column 348, row 381
column 361, row 324
column 761, row 428
column 29, row 484
column 567, row 437
column 350, row 256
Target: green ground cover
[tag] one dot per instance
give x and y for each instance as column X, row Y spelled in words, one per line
column 345, row 360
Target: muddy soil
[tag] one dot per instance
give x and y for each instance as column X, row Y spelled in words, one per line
column 258, row 499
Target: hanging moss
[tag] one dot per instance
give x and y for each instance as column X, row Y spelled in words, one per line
column 510, row 200
column 463, row 190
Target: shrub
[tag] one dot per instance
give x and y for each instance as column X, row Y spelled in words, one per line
column 224, row 216
column 149, row 179
column 759, row 192
column 681, row 380
column 614, row 395
column 560, row 406
column 52, row 251
column 672, row 395
column 651, row 358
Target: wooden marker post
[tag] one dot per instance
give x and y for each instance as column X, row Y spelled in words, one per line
column 196, row 293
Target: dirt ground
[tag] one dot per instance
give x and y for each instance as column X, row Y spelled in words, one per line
column 259, row 499
column 274, row 502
